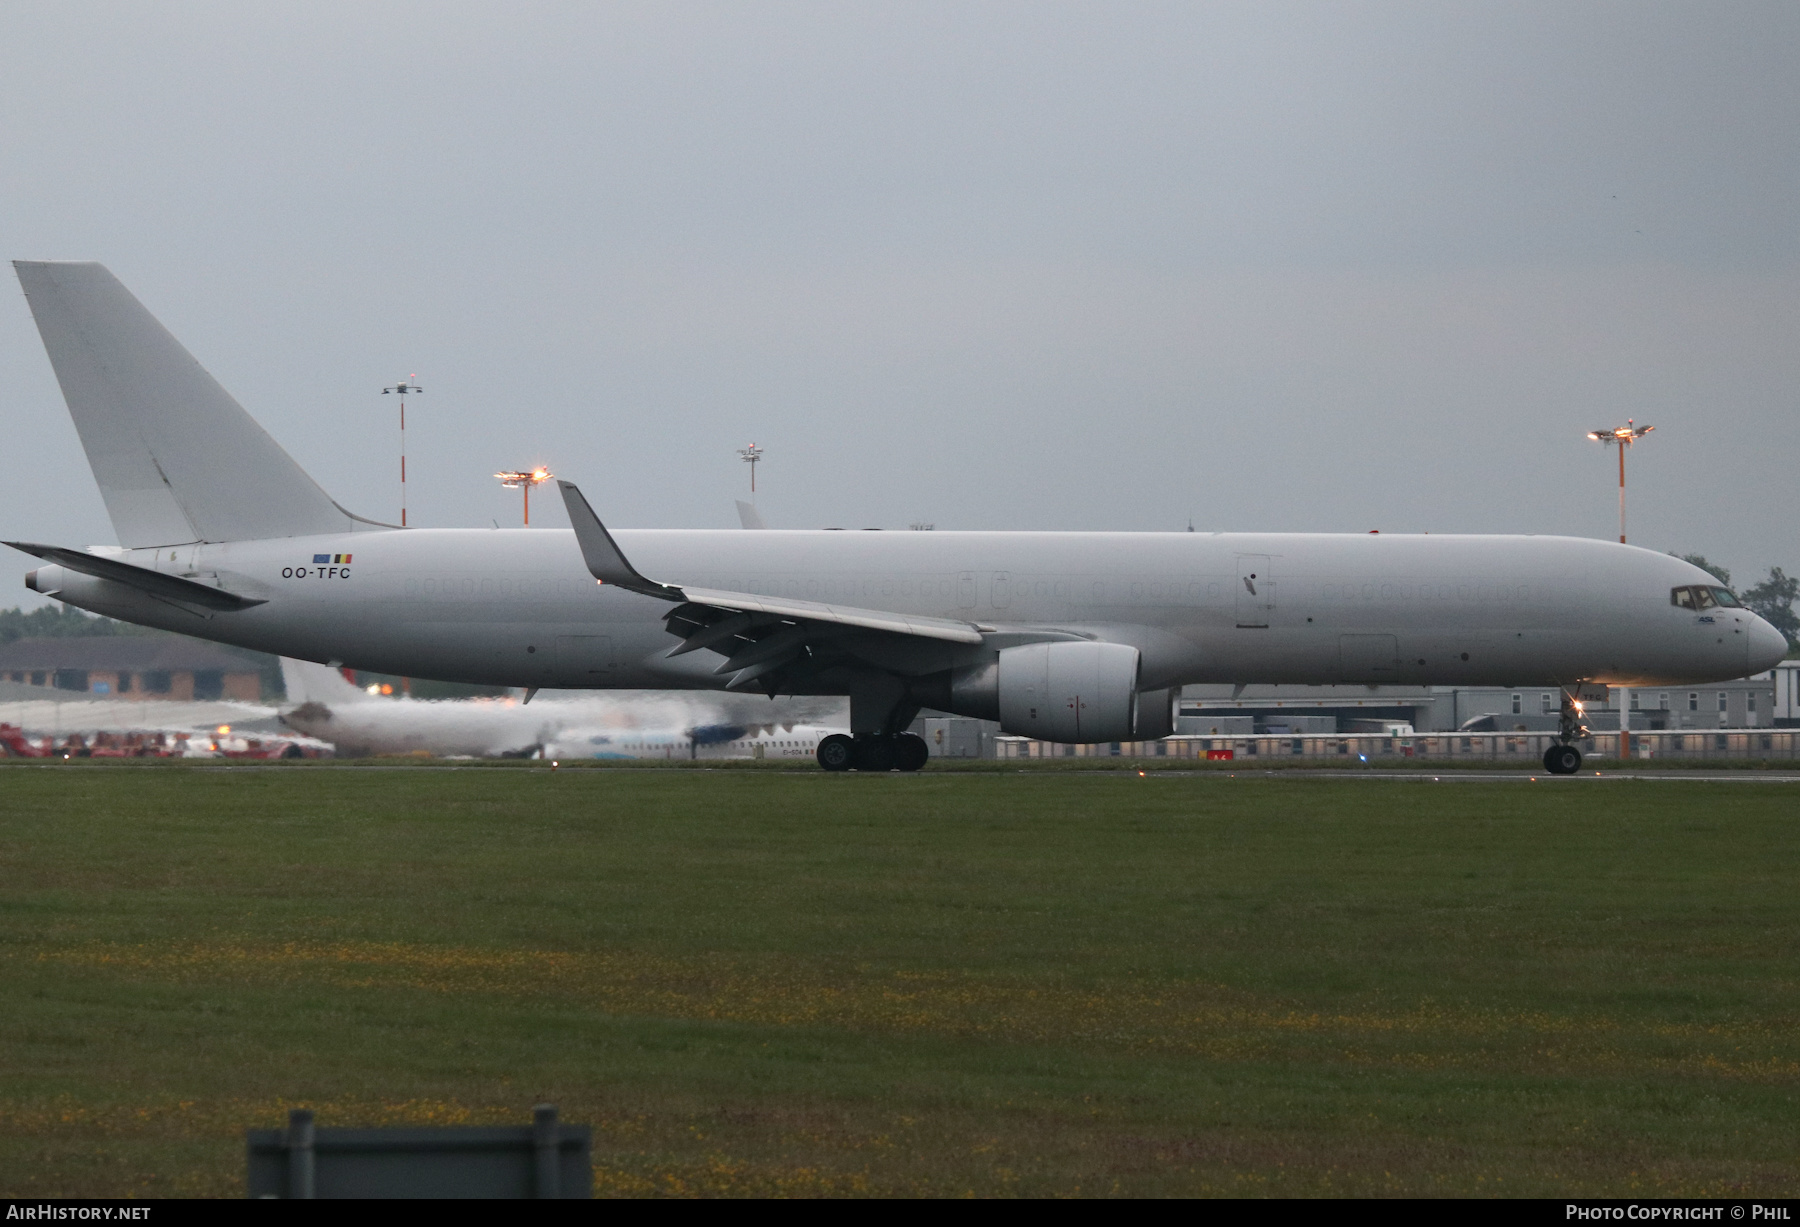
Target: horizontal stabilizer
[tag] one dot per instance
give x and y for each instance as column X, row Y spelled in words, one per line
column 167, row 587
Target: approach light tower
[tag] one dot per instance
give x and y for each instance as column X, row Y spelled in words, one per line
column 520, row 479
column 403, row 389
column 1624, row 436
column 750, row 455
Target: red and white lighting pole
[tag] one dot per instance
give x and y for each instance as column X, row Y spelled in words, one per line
column 402, row 389
column 1624, row 436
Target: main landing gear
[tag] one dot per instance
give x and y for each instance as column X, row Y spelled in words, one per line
column 873, row 752
column 1563, row 758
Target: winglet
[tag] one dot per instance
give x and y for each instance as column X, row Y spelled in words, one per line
column 601, row 553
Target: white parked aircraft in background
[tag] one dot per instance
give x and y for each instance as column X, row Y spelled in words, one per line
column 1072, row 637
column 43, row 722
column 323, row 704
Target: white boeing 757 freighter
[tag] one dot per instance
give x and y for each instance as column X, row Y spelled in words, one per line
column 1069, row 637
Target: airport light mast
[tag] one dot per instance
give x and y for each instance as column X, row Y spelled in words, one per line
column 403, row 388
column 750, row 455
column 1624, row 436
column 523, row 479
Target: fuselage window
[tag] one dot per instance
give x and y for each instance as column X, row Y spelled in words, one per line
column 1703, row 598
column 1682, row 597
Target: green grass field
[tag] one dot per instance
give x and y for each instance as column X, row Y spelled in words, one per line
column 752, row 982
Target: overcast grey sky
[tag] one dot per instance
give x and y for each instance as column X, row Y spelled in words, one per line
column 1269, row 266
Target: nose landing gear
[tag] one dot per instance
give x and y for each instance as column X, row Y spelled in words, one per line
column 1563, row 758
column 873, row 752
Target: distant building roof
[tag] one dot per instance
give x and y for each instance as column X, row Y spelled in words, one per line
column 129, row 653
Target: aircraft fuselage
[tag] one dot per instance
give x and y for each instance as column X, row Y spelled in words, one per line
column 517, row 607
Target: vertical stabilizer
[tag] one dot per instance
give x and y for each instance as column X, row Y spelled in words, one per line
column 176, row 458
column 307, row 682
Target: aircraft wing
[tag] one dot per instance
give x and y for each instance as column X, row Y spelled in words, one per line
column 815, row 611
column 758, row 635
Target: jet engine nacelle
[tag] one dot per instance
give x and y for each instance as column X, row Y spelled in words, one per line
column 1156, row 713
column 1068, row 692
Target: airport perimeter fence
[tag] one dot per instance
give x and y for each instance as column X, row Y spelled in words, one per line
column 1522, row 748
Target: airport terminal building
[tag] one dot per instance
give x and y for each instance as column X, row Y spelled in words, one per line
column 132, row 667
column 1746, row 703
column 1750, row 717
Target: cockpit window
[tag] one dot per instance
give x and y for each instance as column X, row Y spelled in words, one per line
column 1699, row 596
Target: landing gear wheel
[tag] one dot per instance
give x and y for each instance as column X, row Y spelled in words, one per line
column 911, row 752
column 837, row 753
column 1562, row 760
column 875, row 754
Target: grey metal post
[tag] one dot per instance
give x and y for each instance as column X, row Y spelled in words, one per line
column 544, row 1139
column 300, row 1153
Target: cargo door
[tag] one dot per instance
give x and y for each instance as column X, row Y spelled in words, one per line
column 1255, row 590
column 1369, row 658
column 584, row 660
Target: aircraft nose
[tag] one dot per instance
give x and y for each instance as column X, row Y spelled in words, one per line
column 1767, row 646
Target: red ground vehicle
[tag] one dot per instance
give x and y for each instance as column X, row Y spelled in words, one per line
column 15, row 743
